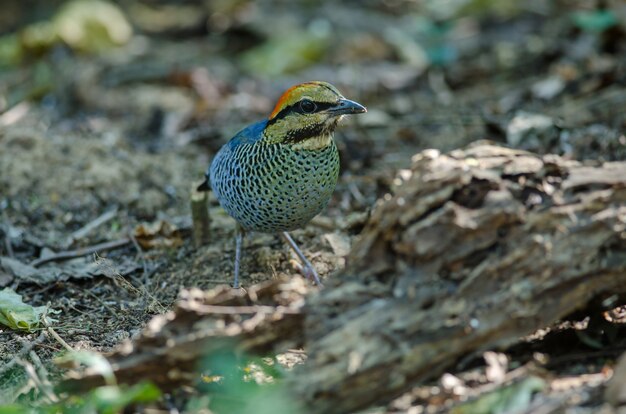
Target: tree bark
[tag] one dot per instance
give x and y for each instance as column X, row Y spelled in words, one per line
column 472, row 251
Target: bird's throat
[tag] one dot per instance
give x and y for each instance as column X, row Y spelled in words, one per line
column 314, row 143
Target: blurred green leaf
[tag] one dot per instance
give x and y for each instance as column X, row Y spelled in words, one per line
column 10, row 50
column 14, row 384
column 112, row 399
column 39, row 80
column 595, row 21
column 38, row 37
column 89, row 26
column 104, row 400
column 14, row 409
column 16, row 314
column 92, row 25
column 287, row 53
column 234, row 394
column 511, row 398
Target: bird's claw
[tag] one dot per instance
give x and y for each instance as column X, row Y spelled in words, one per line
column 309, row 272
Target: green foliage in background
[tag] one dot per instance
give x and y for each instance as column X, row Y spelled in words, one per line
column 108, row 399
column 289, row 51
column 227, row 383
column 514, row 398
column 86, row 26
column 235, row 391
column 594, row 21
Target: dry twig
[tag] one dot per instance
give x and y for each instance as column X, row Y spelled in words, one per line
column 84, row 251
column 89, row 227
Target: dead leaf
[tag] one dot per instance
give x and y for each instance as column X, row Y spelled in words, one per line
column 340, row 243
column 615, row 392
column 496, row 366
column 158, row 235
column 27, row 272
column 79, row 268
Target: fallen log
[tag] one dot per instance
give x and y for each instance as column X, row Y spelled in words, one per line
column 169, row 350
column 471, row 251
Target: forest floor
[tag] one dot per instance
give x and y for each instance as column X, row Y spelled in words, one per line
column 105, row 148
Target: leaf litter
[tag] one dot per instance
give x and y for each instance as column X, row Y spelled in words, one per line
column 64, row 165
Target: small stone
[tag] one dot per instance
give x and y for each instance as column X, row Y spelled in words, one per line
column 531, row 131
column 548, row 88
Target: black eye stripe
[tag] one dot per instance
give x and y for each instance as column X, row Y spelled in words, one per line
column 295, row 108
column 302, row 134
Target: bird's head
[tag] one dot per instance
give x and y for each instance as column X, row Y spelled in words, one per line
column 307, row 114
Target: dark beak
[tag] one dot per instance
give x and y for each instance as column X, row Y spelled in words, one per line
column 346, row 107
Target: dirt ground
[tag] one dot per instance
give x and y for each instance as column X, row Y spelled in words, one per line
column 119, row 137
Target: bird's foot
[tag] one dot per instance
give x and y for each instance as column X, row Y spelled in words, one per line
column 307, row 270
column 304, row 267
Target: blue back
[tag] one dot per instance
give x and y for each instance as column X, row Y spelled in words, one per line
column 248, row 135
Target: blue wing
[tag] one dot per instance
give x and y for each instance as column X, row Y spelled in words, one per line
column 248, row 135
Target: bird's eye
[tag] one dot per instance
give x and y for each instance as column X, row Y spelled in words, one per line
column 307, row 106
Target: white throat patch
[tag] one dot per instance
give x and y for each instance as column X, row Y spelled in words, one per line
column 315, row 143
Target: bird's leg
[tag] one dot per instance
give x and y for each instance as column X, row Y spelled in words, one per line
column 307, row 268
column 238, row 246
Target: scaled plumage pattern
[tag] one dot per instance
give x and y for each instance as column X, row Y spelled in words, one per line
column 277, row 174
